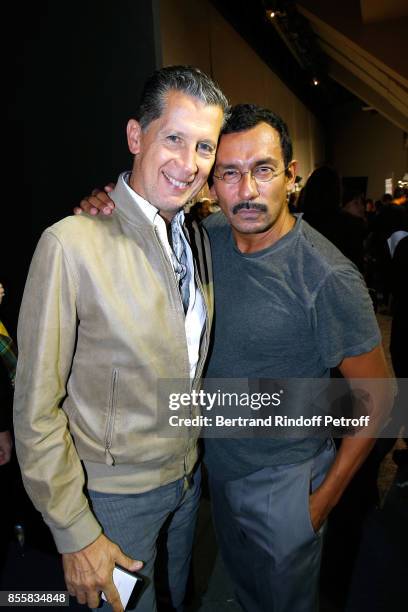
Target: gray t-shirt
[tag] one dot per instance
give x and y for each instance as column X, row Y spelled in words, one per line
column 293, row 310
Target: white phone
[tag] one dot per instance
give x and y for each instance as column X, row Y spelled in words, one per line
column 125, row 582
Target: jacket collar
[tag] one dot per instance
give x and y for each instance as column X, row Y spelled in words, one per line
column 136, row 209
column 128, row 204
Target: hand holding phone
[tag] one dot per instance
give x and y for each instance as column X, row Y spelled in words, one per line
column 125, row 583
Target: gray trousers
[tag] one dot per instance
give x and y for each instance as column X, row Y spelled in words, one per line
column 266, row 538
column 134, row 522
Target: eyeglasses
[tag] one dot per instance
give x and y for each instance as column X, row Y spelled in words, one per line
column 261, row 174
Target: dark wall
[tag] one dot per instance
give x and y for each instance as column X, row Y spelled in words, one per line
column 75, row 72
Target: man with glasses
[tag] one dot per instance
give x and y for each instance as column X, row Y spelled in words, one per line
column 287, row 305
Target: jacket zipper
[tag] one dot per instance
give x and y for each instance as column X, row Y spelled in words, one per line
column 109, row 458
column 187, row 476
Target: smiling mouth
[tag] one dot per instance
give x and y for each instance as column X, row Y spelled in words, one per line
column 176, row 183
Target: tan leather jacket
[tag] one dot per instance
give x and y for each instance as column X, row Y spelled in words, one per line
column 101, row 323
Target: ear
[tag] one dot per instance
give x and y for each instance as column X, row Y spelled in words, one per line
column 291, row 174
column 134, row 136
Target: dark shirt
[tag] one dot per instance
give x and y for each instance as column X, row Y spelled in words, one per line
column 293, row 310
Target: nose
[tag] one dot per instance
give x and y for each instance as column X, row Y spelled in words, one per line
column 188, row 159
column 248, row 187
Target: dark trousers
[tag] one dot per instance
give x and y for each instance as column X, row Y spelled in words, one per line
column 266, row 537
column 135, row 522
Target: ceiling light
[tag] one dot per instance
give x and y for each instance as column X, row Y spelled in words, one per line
column 272, row 14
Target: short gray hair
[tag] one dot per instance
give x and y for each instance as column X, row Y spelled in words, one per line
column 186, row 79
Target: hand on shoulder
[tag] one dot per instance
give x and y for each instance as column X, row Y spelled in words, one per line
column 98, row 202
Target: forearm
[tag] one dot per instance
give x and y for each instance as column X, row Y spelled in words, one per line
column 50, row 466
column 350, row 456
column 373, row 391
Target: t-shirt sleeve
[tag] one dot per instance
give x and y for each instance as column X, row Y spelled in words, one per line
column 344, row 318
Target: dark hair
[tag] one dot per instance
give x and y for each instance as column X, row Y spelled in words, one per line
column 393, row 219
column 243, row 117
column 322, row 192
column 188, row 80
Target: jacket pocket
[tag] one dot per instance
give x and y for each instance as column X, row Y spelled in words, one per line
column 110, row 422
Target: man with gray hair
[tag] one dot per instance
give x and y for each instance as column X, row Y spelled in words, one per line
column 111, row 306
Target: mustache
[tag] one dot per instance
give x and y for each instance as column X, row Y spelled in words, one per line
column 249, row 206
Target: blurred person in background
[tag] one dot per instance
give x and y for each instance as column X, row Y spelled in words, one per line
column 321, row 203
column 8, row 361
column 8, row 364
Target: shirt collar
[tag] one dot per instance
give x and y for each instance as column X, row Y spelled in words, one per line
column 150, row 211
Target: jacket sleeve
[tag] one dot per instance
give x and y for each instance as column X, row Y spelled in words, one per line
column 51, row 469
